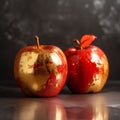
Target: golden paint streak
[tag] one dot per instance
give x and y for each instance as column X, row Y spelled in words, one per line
column 100, row 78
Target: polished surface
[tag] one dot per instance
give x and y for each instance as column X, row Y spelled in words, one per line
column 66, row 106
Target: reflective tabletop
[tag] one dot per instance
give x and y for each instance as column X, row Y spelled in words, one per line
column 66, row 106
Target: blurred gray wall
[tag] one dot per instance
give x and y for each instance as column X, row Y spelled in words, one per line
column 58, row 22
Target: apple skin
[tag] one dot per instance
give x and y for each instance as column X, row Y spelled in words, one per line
column 40, row 70
column 88, row 69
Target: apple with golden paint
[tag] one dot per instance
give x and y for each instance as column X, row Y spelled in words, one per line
column 88, row 66
column 40, row 70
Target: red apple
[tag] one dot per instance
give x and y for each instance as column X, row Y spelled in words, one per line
column 40, row 70
column 88, row 66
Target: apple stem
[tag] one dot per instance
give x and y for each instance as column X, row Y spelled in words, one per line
column 38, row 41
column 78, row 43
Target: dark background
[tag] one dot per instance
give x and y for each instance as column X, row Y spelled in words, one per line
column 58, row 22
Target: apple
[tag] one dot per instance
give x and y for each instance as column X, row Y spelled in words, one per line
column 40, row 70
column 88, row 66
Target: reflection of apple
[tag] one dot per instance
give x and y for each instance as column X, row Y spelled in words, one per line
column 36, row 109
column 98, row 112
column 88, row 66
column 91, row 107
column 40, row 70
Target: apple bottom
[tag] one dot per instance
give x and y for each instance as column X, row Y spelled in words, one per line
column 91, row 87
column 46, row 87
column 86, row 84
column 88, row 79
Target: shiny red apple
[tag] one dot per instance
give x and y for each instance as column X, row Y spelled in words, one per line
column 88, row 66
column 40, row 70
